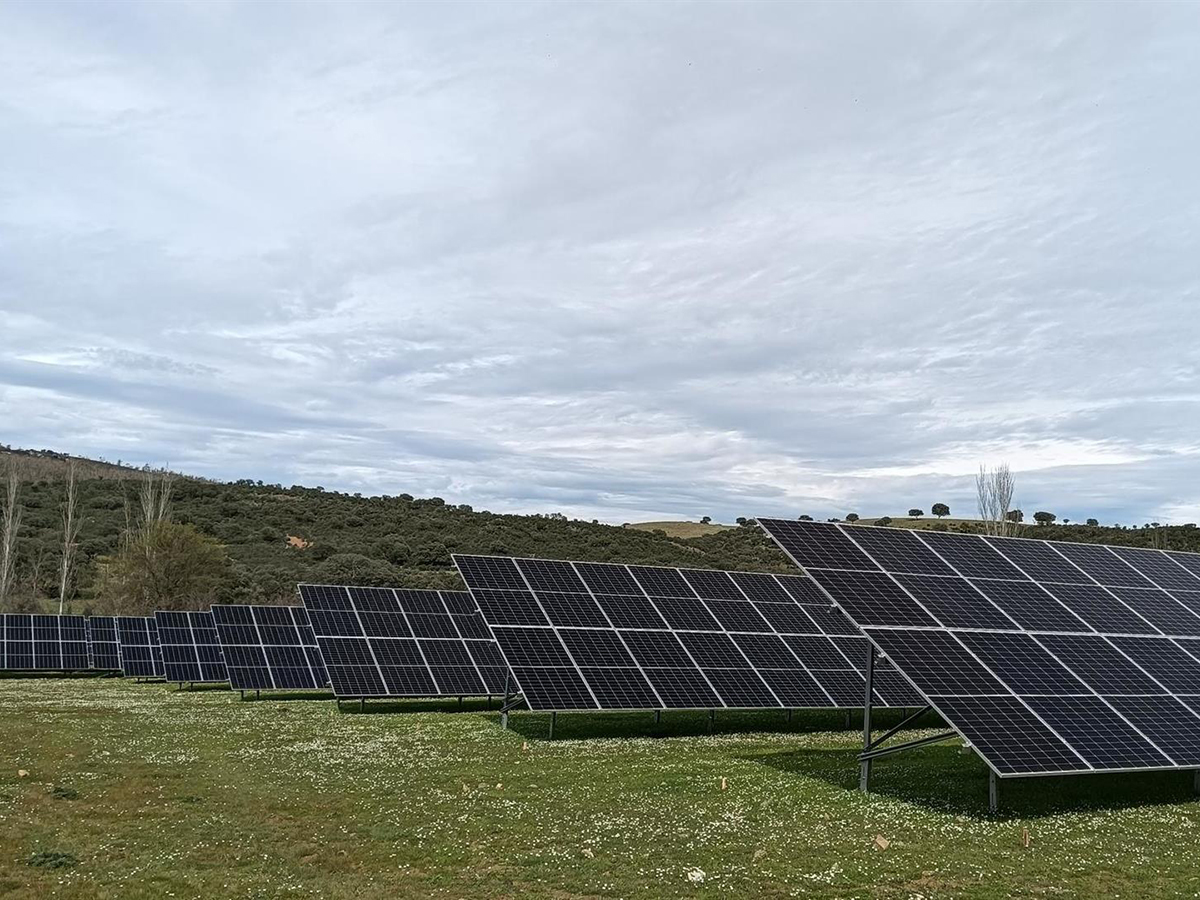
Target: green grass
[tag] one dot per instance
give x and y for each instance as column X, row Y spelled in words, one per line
column 136, row 790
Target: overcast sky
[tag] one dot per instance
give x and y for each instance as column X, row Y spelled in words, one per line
column 627, row 262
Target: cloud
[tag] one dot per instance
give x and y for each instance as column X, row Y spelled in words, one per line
column 623, row 261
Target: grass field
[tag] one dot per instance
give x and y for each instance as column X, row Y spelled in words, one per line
column 136, row 790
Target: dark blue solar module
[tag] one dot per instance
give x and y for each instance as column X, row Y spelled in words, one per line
column 269, row 648
column 190, row 646
column 385, row 642
column 31, row 642
column 104, row 649
column 141, row 656
column 1048, row 657
column 609, row 636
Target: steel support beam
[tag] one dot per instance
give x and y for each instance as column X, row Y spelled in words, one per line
column 993, row 793
column 880, row 752
column 864, row 771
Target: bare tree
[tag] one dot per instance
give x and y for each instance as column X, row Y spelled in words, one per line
column 71, row 522
column 994, row 492
column 10, row 525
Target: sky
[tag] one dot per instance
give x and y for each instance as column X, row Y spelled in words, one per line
column 620, row 261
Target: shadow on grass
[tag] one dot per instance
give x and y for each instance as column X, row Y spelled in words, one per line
column 202, row 687
column 690, row 723
column 419, row 705
column 282, row 696
column 947, row 779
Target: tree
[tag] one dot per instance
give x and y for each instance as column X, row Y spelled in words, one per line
column 163, row 565
column 994, row 489
column 742, row 520
column 10, row 525
column 885, row 520
column 354, row 568
column 851, row 517
column 940, row 509
column 70, row 534
column 1094, row 523
column 1015, row 516
column 706, row 520
column 1044, row 518
column 916, row 513
column 806, row 518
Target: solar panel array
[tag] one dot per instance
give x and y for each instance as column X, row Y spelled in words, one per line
column 1048, row 657
column 191, row 649
column 380, row 642
column 141, row 656
column 104, row 649
column 269, row 648
column 606, row 636
column 38, row 642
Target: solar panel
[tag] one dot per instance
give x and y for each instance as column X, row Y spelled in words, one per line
column 269, row 648
column 191, row 648
column 141, row 656
column 104, row 650
column 1048, row 657
column 384, row 642
column 605, row 636
column 43, row 643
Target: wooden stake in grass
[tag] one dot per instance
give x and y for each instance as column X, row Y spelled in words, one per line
column 724, row 783
column 1025, row 838
column 525, row 745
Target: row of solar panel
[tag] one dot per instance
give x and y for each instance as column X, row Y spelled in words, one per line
column 610, row 636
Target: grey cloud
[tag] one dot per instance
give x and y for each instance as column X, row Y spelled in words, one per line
column 621, row 260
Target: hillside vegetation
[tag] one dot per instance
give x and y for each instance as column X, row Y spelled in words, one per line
column 274, row 537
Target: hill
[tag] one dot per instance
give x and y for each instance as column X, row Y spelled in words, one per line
column 276, row 536
column 681, row 529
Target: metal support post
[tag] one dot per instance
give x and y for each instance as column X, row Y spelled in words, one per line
column 658, row 718
column 243, row 694
column 504, row 708
column 553, row 720
column 712, row 719
column 1196, row 781
column 864, row 774
column 257, row 694
column 789, row 716
column 460, row 702
column 848, row 719
column 362, row 704
column 993, row 792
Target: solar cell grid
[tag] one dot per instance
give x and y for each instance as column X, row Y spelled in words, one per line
column 1095, row 671
column 103, row 645
column 971, row 557
column 1031, row 606
column 141, row 656
column 899, row 550
column 191, row 648
column 1038, row 561
column 762, row 588
column 1097, row 733
column 694, row 638
column 1100, row 609
column 823, row 545
column 269, row 648
column 1160, row 609
column 41, row 642
column 1104, row 566
column 935, row 661
column 954, row 602
column 412, row 643
column 712, row 585
column 1160, row 568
